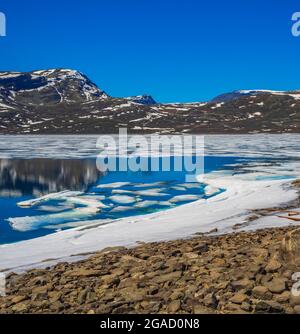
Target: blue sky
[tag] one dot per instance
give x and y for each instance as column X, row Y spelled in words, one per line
column 175, row 50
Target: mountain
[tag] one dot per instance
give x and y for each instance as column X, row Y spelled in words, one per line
column 242, row 93
column 63, row 101
column 234, row 95
column 48, row 87
column 142, row 99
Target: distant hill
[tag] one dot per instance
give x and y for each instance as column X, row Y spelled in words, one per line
column 63, row 101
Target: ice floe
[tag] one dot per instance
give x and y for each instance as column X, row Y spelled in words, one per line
column 31, row 223
column 113, row 185
column 122, row 191
column 122, row 199
column 55, row 208
column 155, row 192
column 165, row 203
column 89, row 201
column 146, row 204
column 59, row 195
column 191, row 185
column 121, row 208
column 149, row 185
column 179, row 188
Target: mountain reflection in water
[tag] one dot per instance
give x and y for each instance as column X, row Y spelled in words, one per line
column 42, row 176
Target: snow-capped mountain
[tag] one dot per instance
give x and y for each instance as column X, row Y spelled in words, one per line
column 48, row 87
column 242, row 93
column 142, row 99
column 61, row 101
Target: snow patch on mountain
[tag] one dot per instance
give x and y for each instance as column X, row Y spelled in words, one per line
column 141, row 99
column 64, row 82
column 240, row 93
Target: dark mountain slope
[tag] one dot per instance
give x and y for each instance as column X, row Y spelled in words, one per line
column 64, row 101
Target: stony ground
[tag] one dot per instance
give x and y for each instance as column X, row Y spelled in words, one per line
column 237, row 273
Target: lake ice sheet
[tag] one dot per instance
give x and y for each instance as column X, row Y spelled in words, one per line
column 39, row 196
column 242, row 173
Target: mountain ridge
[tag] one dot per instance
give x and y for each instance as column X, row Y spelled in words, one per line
column 65, row 101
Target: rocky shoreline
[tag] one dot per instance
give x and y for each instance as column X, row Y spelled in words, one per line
column 245, row 272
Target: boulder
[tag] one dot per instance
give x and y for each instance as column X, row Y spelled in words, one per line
column 200, row 309
column 210, row 300
column 297, row 309
column 277, row 285
column 174, row 306
column 273, row 266
column 261, row 292
column 82, row 272
column 20, row 308
column 173, row 276
column 18, row 299
column 239, row 298
column 201, row 247
column 242, row 284
column 283, row 298
column 268, row 307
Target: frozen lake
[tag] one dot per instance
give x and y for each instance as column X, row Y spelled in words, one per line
column 39, row 196
column 55, row 203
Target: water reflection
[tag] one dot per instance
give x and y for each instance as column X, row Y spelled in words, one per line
column 19, row 177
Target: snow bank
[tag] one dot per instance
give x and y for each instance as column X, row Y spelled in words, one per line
column 184, row 198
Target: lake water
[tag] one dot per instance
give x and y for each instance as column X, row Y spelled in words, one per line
column 120, row 194
column 64, row 168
